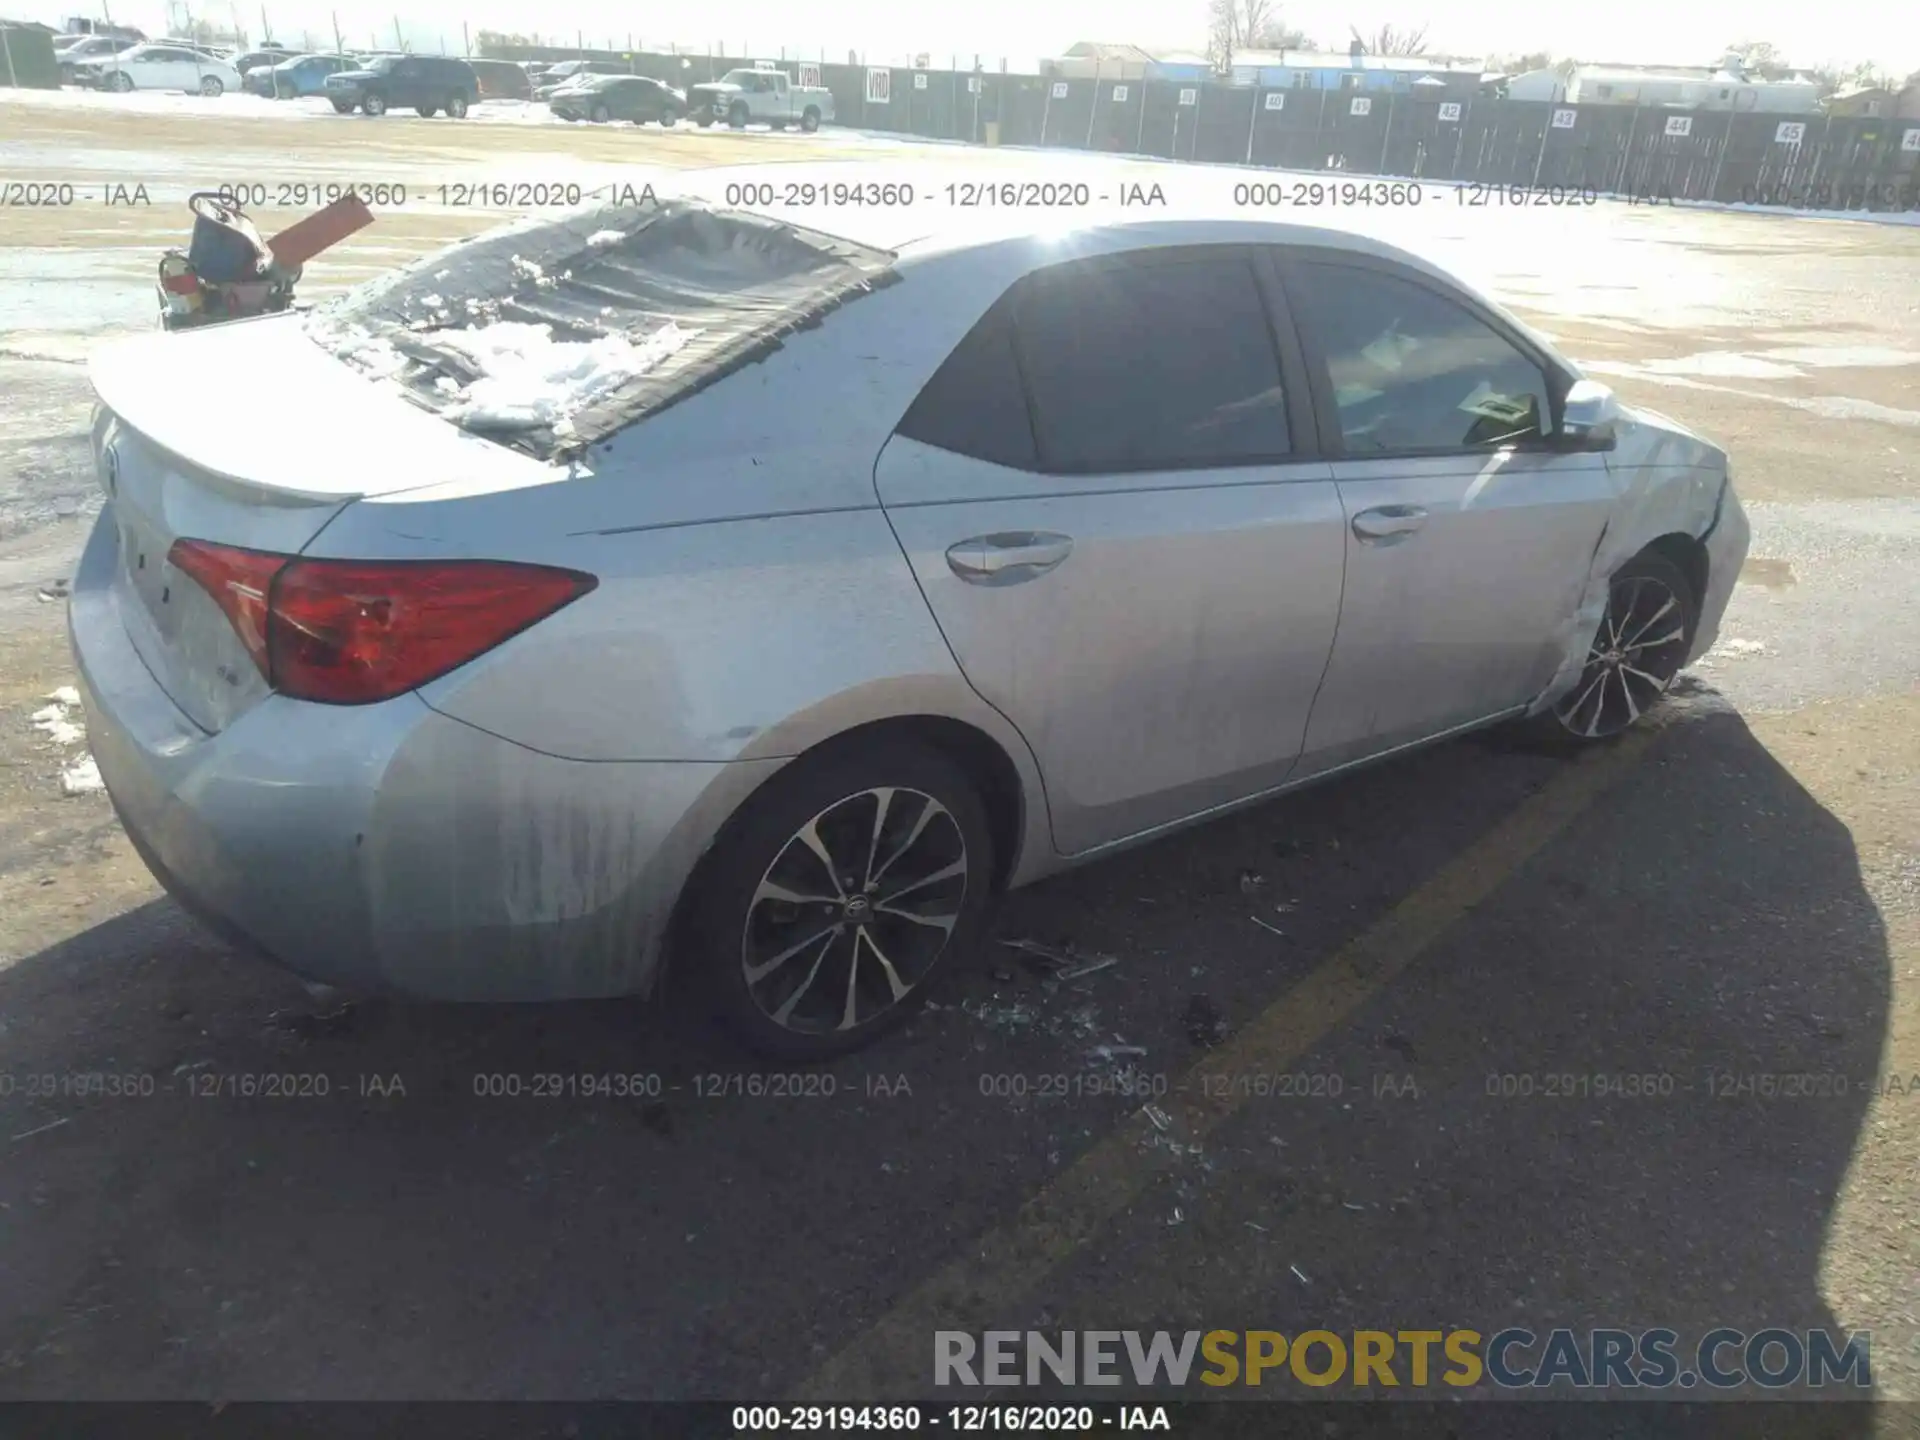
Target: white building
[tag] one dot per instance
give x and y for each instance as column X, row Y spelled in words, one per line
column 1672, row 87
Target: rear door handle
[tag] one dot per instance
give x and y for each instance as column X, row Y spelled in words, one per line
column 1007, row 558
column 1389, row 524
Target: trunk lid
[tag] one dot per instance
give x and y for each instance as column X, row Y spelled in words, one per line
column 247, row 434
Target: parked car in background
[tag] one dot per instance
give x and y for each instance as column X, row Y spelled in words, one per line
column 267, row 56
column 428, row 84
column 502, row 80
column 566, row 72
column 766, row 96
column 161, row 67
column 86, row 51
column 601, row 98
column 304, row 75
column 1131, row 525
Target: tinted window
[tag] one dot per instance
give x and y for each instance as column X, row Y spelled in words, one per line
column 1412, row 370
column 975, row 404
column 1162, row 365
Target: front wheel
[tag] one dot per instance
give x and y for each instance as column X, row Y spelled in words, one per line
column 427, row 112
column 121, row 82
column 342, row 107
column 600, row 115
column 1632, row 659
column 810, row 121
column 668, row 119
column 837, row 894
column 705, row 122
column 374, row 105
column 212, row 86
column 737, row 117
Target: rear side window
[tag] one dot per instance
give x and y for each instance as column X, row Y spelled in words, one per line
column 975, row 404
column 1411, row 370
column 1167, row 364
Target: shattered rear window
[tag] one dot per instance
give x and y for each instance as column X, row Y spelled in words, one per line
column 550, row 334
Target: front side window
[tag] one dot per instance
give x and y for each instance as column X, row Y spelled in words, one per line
column 1411, row 370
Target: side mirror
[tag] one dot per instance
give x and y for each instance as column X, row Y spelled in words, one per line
column 1590, row 417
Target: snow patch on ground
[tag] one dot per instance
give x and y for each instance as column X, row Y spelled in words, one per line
column 601, row 238
column 81, row 778
column 56, row 721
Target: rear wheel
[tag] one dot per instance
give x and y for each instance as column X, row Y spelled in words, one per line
column 427, row 112
column 810, row 121
column 457, row 107
column 668, row 118
column 705, row 122
column 342, row 107
column 600, row 115
column 833, row 899
column 212, row 86
column 121, row 82
column 1632, row 658
column 374, row 105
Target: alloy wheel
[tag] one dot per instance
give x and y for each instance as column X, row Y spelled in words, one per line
column 855, row 910
column 1637, row 651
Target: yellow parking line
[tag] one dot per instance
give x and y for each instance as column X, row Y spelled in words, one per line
column 894, row 1357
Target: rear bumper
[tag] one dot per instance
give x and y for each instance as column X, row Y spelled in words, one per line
column 388, row 846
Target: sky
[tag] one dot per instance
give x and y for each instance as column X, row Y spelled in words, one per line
column 1639, row 31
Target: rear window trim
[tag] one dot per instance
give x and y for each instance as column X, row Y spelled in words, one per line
column 866, row 268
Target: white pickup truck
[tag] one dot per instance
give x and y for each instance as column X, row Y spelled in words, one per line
column 768, row 96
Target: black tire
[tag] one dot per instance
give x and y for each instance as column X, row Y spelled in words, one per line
column 1650, row 600
column 932, row 820
column 669, row 118
column 121, row 82
column 342, row 107
column 212, row 86
column 705, row 122
column 778, row 124
column 427, row 112
column 374, row 105
column 737, row 117
column 456, row 107
column 810, row 120
column 600, row 115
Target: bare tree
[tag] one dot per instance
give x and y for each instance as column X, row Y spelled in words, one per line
column 1236, row 25
column 1757, row 54
column 1276, row 34
column 1223, row 33
column 1388, row 40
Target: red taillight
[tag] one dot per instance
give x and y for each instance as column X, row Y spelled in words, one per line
column 241, row 584
column 349, row 632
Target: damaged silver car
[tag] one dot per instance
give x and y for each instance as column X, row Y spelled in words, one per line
column 767, row 600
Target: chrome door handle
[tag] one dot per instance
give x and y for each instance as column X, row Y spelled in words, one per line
column 1389, row 523
column 987, row 559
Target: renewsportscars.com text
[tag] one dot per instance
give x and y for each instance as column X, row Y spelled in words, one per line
column 1511, row 1359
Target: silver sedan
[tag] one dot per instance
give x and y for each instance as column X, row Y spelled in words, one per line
column 668, row 581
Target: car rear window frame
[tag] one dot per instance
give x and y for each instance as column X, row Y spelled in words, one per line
column 393, row 306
